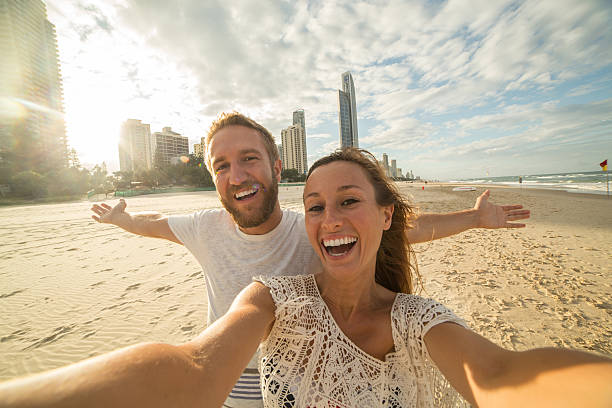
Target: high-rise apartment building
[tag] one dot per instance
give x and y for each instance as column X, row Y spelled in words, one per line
column 347, row 112
column 168, row 147
column 279, row 147
column 299, row 118
column 393, row 168
column 135, row 146
column 294, row 149
column 385, row 164
column 32, row 127
column 198, row 148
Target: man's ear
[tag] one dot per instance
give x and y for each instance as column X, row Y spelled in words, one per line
column 388, row 213
column 278, row 167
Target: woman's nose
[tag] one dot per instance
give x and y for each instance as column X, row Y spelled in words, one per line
column 332, row 219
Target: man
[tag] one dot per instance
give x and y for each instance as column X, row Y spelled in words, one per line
column 253, row 235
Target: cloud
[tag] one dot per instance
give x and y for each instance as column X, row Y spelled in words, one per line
column 319, row 136
column 464, row 77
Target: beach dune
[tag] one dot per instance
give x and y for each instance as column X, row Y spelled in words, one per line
column 71, row 288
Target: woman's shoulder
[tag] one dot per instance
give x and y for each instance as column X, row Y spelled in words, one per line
column 421, row 313
column 284, row 288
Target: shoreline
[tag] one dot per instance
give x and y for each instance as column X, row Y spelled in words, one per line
column 584, row 193
column 536, row 186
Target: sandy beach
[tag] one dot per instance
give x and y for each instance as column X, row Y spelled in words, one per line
column 71, row 288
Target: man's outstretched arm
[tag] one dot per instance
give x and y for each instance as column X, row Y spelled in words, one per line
column 147, row 224
column 428, row 227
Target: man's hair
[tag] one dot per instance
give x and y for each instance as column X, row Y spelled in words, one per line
column 396, row 267
column 236, row 119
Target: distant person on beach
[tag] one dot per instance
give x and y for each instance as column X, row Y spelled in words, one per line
column 352, row 335
column 252, row 235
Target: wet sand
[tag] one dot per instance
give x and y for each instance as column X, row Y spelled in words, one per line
column 71, row 288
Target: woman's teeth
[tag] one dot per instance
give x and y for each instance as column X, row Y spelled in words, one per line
column 340, row 246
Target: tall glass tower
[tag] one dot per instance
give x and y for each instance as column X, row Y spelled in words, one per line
column 347, row 112
column 32, row 128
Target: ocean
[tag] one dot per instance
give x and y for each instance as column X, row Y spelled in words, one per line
column 593, row 182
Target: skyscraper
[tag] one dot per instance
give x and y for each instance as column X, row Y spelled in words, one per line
column 347, row 112
column 32, row 127
column 393, row 168
column 385, row 163
column 135, row 146
column 294, row 149
column 299, row 119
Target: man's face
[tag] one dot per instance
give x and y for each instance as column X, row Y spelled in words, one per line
column 246, row 181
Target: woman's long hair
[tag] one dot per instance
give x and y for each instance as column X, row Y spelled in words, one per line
column 396, row 267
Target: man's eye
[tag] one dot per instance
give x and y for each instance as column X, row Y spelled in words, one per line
column 315, row 208
column 220, row 168
column 249, row 158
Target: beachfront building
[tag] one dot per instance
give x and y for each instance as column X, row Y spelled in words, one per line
column 294, row 149
column 135, row 146
column 394, row 168
column 198, row 148
column 299, row 119
column 168, row 147
column 347, row 112
column 279, row 147
column 32, row 127
column 399, row 173
column 385, row 164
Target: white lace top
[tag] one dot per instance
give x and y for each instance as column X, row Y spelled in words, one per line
column 307, row 361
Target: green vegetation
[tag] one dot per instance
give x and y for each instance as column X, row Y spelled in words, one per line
column 292, row 176
column 73, row 181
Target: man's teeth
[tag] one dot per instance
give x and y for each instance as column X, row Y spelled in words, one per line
column 338, row 242
column 246, row 193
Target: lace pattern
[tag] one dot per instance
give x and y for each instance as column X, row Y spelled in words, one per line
column 307, row 361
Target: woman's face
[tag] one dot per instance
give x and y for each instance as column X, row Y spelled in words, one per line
column 343, row 220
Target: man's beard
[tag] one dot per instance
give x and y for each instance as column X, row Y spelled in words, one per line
column 270, row 196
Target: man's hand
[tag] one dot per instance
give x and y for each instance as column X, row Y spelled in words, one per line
column 107, row 214
column 496, row 216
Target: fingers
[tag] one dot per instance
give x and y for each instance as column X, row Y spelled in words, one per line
column 97, row 219
column 518, row 215
column 511, row 207
column 98, row 210
column 108, row 207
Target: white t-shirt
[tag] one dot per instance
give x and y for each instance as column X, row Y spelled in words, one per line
column 229, row 260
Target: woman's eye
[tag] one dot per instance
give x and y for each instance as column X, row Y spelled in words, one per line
column 315, row 208
column 349, row 201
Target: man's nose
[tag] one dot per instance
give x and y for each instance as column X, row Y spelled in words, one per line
column 237, row 175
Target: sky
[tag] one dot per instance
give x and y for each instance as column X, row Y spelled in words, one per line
column 450, row 89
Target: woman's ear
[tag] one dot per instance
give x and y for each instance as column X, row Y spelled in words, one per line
column 388, row 213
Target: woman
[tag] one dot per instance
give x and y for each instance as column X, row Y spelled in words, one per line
column 349, row 336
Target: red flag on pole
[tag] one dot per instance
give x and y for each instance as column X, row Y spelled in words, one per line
column 604, row 165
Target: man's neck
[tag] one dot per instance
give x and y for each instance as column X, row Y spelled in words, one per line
column 268, row 225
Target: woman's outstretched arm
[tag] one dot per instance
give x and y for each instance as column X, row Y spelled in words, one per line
column 490, row 376
column 201, row 372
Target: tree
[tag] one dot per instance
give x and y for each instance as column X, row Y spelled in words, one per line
column 28, row 184
column 292, row 176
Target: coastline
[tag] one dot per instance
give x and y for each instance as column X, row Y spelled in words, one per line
column 72, row 288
